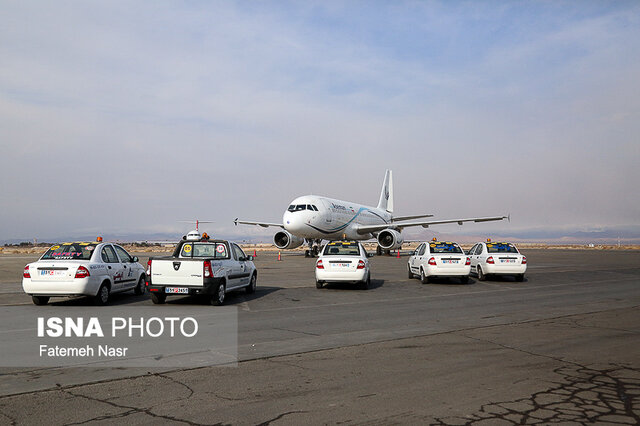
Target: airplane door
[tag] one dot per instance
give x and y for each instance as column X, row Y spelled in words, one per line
column 328, row 216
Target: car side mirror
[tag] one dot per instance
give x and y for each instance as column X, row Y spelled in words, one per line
column 249, row 258
column 135, row 259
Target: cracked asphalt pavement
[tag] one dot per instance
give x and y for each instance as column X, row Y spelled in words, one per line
column 562, row 347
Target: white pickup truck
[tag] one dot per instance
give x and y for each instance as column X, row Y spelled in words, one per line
column 201, row 267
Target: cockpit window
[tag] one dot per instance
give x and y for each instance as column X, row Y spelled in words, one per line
column 300, row 207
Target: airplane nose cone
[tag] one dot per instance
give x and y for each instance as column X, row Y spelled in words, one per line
column 293, row 222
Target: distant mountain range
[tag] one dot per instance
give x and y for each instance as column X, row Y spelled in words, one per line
column 604, row 235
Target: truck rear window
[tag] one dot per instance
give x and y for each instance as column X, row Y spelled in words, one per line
column 69, row 251
column 501, row 248
column 210, row 250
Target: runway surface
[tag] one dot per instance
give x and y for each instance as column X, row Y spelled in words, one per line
column 562, row 346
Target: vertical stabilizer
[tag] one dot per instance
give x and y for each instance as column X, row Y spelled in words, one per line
column 386, row 196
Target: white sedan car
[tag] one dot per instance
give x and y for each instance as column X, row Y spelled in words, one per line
column 441, row 259
column 343, row 261
column 497, row 258
column 93, row 269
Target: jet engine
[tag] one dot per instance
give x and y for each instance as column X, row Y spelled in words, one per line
column 390, row 239
column 285, row 240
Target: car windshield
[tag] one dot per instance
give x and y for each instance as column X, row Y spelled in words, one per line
column 440, row 247
column 501, row 248
column 210, row 250
column 70, row 251
column 341, row 249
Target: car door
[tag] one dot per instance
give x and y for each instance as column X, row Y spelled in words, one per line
column 114, row 267
column 238, row 267
column 472, row 257
column 416, row 259
column 475, row 259
column 129, row 270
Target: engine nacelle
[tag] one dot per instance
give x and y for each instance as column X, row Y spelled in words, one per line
column 390, row 239
column 285, row 240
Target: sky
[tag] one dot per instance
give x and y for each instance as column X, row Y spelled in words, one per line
column 123, row 118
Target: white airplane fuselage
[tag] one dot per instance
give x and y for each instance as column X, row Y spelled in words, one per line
column 333, row 220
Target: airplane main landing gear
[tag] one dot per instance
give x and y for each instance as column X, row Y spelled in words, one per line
column 380, row 251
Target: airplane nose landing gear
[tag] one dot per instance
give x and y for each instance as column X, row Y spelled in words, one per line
column 314, row 248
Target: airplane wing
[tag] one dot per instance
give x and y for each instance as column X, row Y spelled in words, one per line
column 400, row 218
column 425, row 224
column 263, row 224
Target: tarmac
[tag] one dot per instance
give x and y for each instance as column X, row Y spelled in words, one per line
column 561, row 347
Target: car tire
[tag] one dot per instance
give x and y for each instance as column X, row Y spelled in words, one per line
column 409, row 273
column 481, row 275
column 139, row 289
column 158, row 299
column 217, row 298
column 102, row 298
column 40, row 300
column 520, row 277
column 423, row 278
column 251, row 288
column 364, row 285
column 319, row 284
column 465, row 279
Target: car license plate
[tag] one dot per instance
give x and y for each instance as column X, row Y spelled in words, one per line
column 449, row 261
column 508, row 260
column 179, row 290
column 52, row 273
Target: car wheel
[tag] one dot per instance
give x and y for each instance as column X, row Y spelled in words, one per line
column 481, row 275
column 251, row 288
column 102, row 298
column 217, row 299
column 409, row 273
column 364, row 285
column 158, row 299
column 520, row 277
column 465, row 279
column 319, row 284
column 423, row 278
column 139, row 289
column 40, row 300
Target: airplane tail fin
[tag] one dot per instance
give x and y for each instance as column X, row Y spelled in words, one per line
column 386, row 196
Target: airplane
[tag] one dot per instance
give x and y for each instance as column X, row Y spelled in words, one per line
column 195, row 234
column 313, row 218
